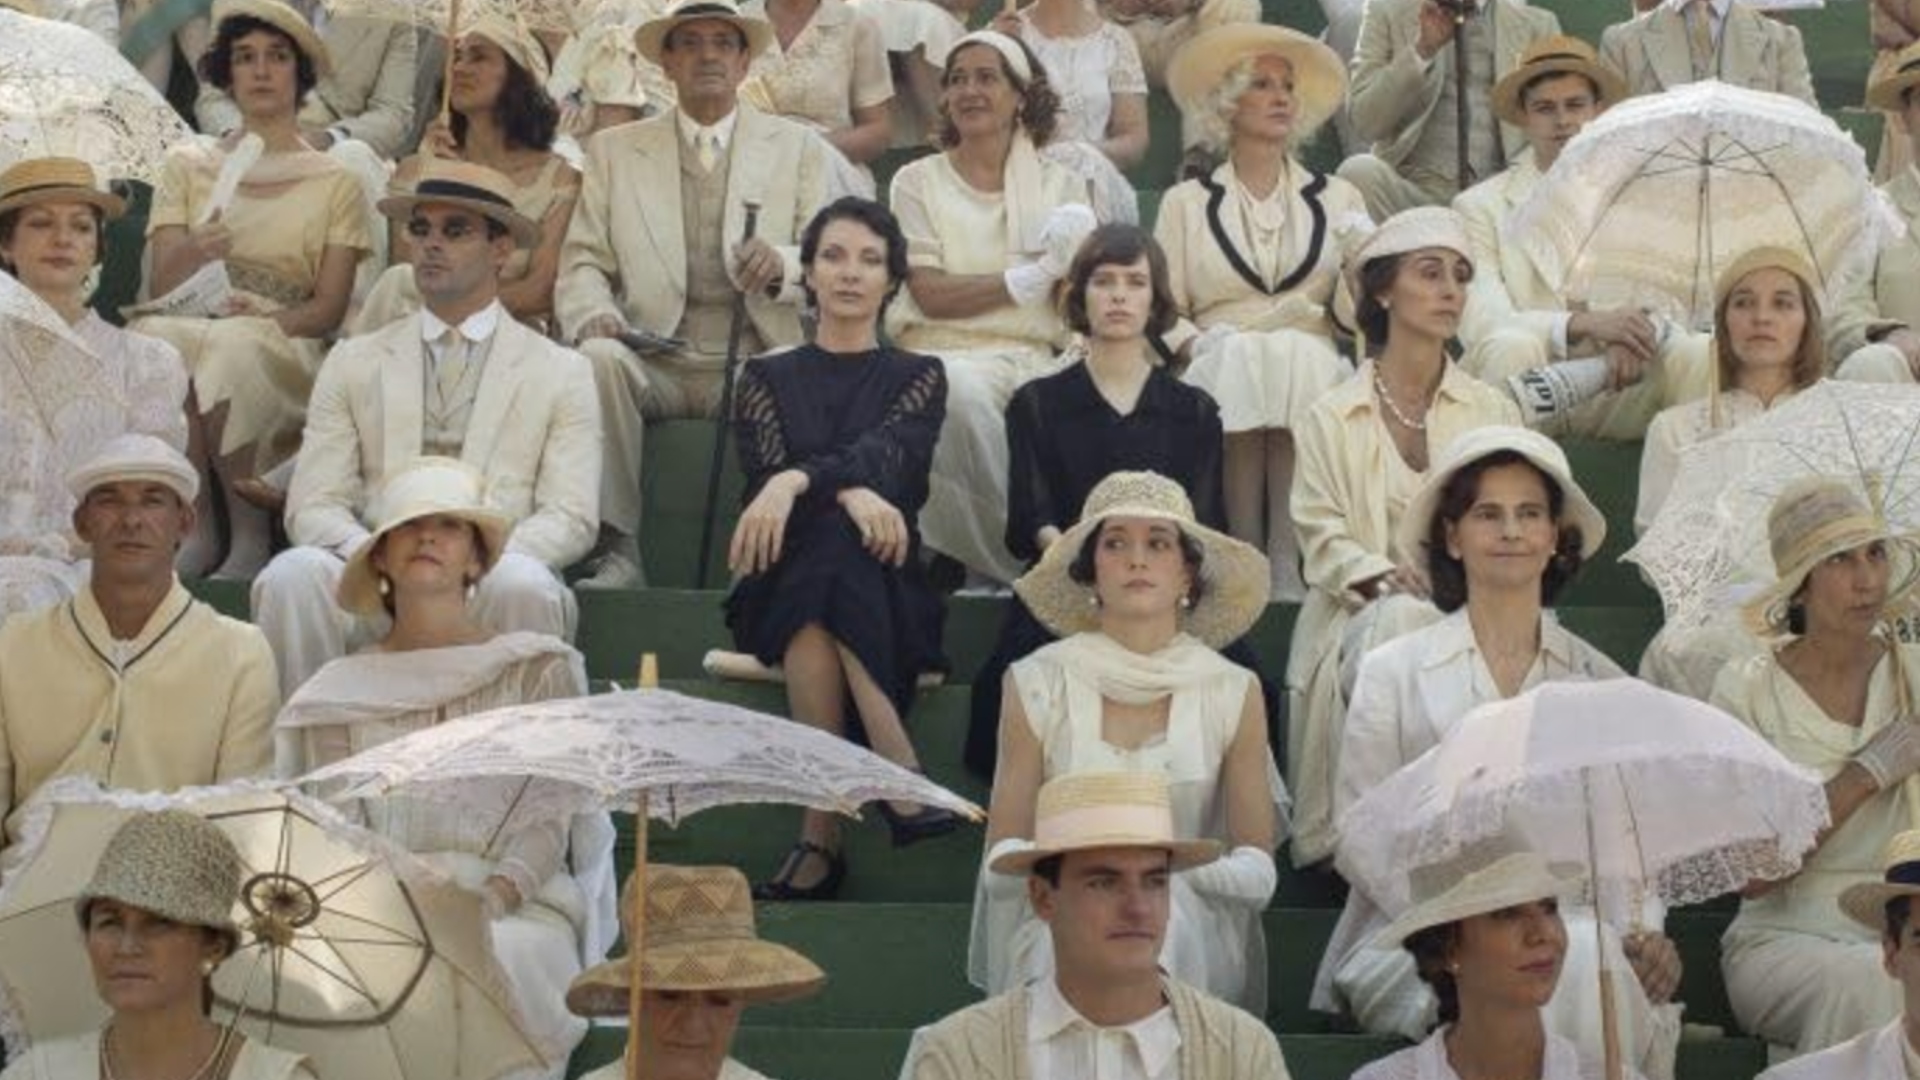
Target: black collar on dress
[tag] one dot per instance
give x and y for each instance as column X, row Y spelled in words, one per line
column 1311, row 193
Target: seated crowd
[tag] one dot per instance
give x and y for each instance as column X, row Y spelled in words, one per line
column 412, row 418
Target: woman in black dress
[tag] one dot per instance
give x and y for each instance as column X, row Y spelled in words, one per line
column 836, row 439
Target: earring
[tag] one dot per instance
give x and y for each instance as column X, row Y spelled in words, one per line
column 1453, row 967
column 1185, row 602
column 206, row 968
column 386, row 586
column 1093, row 600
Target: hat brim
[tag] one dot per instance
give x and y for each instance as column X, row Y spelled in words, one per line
column 1888, row 94
column 1507, row 92
column 1184, row 854
column 1576, row 508
column 1319, row 78
column 525, row 233
column 112, row 206
column 359, row 588
column 1235, row 579
column 650, row 40
column 287, row 21
column 1866, row 903
column 762, row 972
column 1546, row 881
column 1766, row 612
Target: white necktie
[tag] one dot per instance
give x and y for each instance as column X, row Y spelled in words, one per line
column 1700, row 37
column 451, row 370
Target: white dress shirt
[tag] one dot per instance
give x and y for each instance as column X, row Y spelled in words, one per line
column 1717, row 8
column 1063, row 1045
column 721, row 131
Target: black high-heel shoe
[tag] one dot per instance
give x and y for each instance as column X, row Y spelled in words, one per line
column 923, row 824
column 782, row 888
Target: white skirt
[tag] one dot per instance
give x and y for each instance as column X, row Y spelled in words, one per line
column 1268, row 379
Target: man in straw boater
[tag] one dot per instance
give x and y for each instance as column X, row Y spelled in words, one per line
column 1625, row 366
column 1099, row 873
column 701, row 964
column 664, row 256
column 1887, row 906
column 459, row 378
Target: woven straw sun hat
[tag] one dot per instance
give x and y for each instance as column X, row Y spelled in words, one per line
column 651, row 39
column 1889, row 91
column 425, row 487
column 700, row 937
column 1449, row 893
column 173, row 864
column 1866, row 903
column 284, row 18
column 1557, row 55
column 56, row 179
column 447, row 182
column 135, row 457
column 1234, row 576
column 1092, row 810
column 1319, row 78
column 1812, row 519
column 1543, row 453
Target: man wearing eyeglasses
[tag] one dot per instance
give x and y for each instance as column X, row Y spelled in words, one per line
column 460, row 378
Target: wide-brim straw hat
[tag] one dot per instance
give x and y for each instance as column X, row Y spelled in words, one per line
column 1557, row 55
column 135, row 457
column 1416, row 522
column 1319, row 78
column 1235, row 577
column 513, row 39
column 484, row 191
column 651, row 39
column 173, row 864
column 700, row 937
column 1815, row 518
column 284, row 18
column 1866, row 903
column 56, row 179
column 1518, row 878
column 1093, row 810
column 426, row 486
column 1889, row 91
column 1412, row 230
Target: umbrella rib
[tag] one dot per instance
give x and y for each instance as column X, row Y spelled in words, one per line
column 346, row 879
column 1639, row 173
column 343, row 980
column 1793, row 207
column 375, row 924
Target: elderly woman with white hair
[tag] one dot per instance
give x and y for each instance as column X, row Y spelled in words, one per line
column 1253, row 255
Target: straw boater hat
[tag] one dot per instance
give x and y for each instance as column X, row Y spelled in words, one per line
column 1812, row 519
column 1889, row 91
column 1449, row 893
column 1866, row 903
column 56, row 179
column 1416, row 522
column 1418, row 229
column 428, row 485
column 700, row 936
column 135, row 457
column 1234, row 575
column 1557, row 55
column 1090, row 810
column 174, row 864
column 515, row 41
column 284, row 18
column 1319, row 78
column 445, row 182
column 651, row 38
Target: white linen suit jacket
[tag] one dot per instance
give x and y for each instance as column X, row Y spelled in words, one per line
column 1651, row 52
column 1874, row 1055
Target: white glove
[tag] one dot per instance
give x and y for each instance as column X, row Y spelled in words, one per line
column 1030, row 283
column 1005, row 886
column 1211, row 342
column 1061, row 235
column 1245, row 874
column 1893, row 754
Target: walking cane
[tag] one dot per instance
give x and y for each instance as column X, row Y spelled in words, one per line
column 726, row 408
column 1460, row 13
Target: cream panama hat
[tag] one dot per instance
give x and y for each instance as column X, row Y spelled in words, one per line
column 1814, row 518
column 1233, row 575
column 173, row 864
column 135, row 457
column 1866, row 903
column 470, row 187
column 1091, row 810
column 700, row 936
column 1450, row 893
column 56, row 179
column 1416, row 522
column 425, row 486
column 1319, row 77
column 1557, row 55
column 651, row 39
column 284, row 18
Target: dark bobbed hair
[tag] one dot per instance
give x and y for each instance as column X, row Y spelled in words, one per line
column 216, row 66
column 10, row 221
column 1118, row 245
column 526, row 113
column 1448, row 575
column 1899, row 910
column 1039, row 111
column 1432, row 951
column 1376, row 277
column 1081, row 570
column 878, row 219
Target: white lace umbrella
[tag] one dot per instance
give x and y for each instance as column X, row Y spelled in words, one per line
column 65, row 92
column 353, row 952
column 1707, row 549
column 1654, row 793
column 1652, row 200
column 668, row 754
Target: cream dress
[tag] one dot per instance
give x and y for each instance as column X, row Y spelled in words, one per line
column 1411, row 692
column 1428, row 1061
column 78, row 1058
column 1268, row 269
column 359, row 702
column 952, row 227
column 59, row 409
column 1799, row 972
column 288, row 210
column 835, row 65
column 1087, row 72
column 1350, row 487
column 1215, row 945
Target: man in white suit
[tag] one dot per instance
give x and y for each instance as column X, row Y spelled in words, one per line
column 1683, row 41
column 459, row 378
column 1514, row 322
column 1403, row 97
column 656, row 247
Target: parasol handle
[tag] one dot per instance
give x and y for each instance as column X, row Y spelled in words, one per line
column 1609, row 1013
column 446, row 75
column 1460, row 108
column 649, row 680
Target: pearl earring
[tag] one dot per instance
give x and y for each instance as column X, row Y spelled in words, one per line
column 386, row 586
column 1186, row 602
column 206, row 968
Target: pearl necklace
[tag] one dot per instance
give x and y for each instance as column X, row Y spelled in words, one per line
column 1393, row 408
column 106, row 1054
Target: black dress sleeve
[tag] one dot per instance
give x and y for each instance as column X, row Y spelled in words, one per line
column 893, row 457
column 758, row 434
column 1209, row 482
column 1030, row 501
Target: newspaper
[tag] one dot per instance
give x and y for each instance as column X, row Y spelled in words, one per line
column 203, row 296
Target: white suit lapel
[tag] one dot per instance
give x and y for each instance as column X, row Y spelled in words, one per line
column 499, row 386
column 402, row 377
